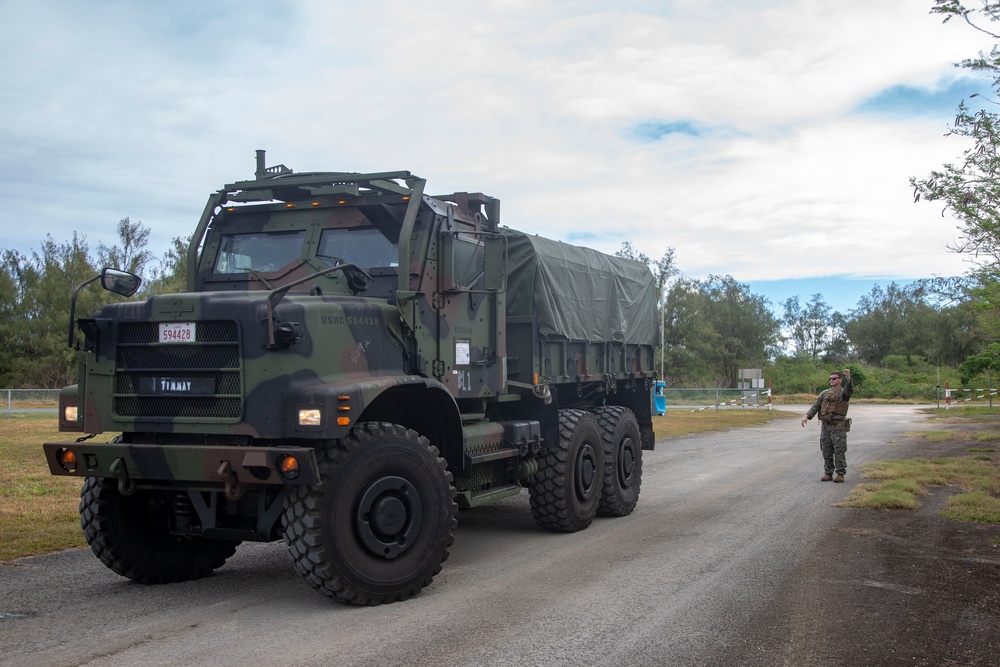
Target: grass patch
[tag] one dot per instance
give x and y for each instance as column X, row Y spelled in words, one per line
column 906, row 479
column 679, row 422
column 980, row 449
column 897, row 494
column 987, row 436
column 975, row 507
column 38, row 511
column 933, row 436
column 975, row 413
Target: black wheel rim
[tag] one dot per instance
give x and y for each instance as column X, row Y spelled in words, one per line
column 626, row 462
column 388, row 516
column 586, row 471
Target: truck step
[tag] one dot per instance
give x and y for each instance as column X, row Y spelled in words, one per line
column 467, row 500
column 486, row 457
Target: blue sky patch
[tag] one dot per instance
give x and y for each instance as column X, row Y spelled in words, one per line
column 902, row 100
column 655, row 130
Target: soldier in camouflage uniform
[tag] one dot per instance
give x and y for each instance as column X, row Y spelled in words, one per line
column 831, row 405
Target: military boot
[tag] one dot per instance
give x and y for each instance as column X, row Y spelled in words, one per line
column 838, row 478
column 826, row 478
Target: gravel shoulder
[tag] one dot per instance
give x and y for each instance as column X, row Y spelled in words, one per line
column 887, row 587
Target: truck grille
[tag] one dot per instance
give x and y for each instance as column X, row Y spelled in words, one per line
column 203, row 379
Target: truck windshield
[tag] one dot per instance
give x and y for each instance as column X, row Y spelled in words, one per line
column 258, row 251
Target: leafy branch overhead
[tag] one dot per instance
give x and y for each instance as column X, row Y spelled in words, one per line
column 969, row 188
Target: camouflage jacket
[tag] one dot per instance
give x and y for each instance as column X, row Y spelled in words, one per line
column 832, row 404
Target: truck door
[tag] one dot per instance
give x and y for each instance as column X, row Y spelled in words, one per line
column 471, row 342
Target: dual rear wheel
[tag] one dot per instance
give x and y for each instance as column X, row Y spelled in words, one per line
column 622, row 460
column 595, row 469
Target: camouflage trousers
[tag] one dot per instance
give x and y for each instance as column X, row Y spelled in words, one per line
column 833, row 444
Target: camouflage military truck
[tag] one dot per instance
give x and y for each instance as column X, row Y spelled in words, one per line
column 352, row 362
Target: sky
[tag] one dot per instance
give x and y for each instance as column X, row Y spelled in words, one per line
column 769, row 140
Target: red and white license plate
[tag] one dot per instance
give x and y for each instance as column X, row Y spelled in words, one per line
column 177, row 332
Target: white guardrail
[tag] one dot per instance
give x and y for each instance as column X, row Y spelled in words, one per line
column 695, row 399
column 977, row 395
column 746, row 401
column 30, row 400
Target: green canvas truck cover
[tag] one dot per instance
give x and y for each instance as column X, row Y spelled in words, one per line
column 579, row 293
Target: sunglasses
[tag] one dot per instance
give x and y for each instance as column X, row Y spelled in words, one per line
column 834, row 378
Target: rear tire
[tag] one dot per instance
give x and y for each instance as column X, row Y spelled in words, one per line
column 566, row 489
column 130, row 535
column 378, row 525
column 622, row 460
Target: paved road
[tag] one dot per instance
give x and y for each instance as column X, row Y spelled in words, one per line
column 723, row 526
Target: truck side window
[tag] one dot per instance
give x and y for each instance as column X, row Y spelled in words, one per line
column 469, row 261
column 365, row 246
column 259, row 251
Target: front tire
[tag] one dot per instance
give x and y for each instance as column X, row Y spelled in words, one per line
column 378, row 525
column 567, row 487
column 130, row 534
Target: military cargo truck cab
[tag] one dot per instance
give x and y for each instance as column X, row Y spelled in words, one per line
column 353, row 361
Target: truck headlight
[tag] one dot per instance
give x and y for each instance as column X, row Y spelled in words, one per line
column 70, row 413
column 310, row 417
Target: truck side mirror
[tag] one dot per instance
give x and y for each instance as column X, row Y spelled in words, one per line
column 120, row 282
column 113, row 280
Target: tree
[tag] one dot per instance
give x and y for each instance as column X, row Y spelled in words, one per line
column 41, row 357
column 35, row 297
column 986, row 362
column 688, row 335
column 969, row 189
column 877, row 324
column 18, row 287
column 950, row 334
column 902, row 321
column 663, row 270
column 809, row 326
column 131, row 253
column 839, row 350
column 713, row 328
column 170, row 276
column 747, row 331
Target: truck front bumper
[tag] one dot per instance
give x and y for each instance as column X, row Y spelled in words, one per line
column 143, row 465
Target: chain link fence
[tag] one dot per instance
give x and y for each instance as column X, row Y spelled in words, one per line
column 19, row 401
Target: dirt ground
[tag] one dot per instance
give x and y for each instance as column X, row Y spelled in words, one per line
column 930, row 591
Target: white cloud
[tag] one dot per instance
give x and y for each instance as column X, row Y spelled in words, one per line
column 141, row 110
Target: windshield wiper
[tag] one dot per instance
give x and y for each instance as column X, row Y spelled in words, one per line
column 357, row 278
column 256, row 275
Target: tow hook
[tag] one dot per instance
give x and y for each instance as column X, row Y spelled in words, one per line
column 234, row 490
column 126, row 486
